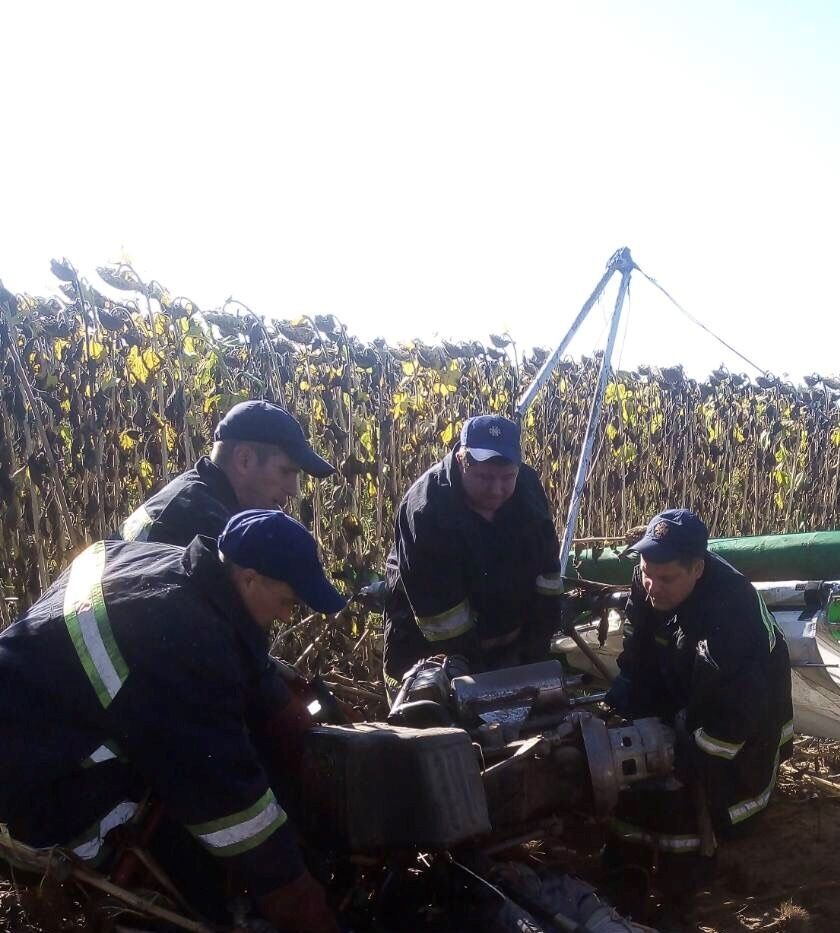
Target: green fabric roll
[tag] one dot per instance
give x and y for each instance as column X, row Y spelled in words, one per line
column 811, row 555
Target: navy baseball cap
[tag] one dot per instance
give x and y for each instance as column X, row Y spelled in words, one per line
column 488, row 436
column 277, row 546
column 675, row 534
column 265, row 423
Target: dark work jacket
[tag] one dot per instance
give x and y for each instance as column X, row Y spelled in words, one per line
column 198, row 502
column 457, row 583
column 722, row 659
column 138, row 668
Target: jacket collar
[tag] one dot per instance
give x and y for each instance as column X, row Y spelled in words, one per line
column 216, row 480
column 202, row 564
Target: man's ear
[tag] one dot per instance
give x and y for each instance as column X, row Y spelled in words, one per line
column 243, row 457
column 249, row 576
column 243, row 578
column 699, row 567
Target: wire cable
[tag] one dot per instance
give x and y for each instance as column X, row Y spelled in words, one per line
column 700, row 324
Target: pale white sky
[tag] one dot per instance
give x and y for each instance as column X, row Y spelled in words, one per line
column 440, row 168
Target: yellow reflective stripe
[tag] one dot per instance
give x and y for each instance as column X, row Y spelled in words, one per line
column 137, row 526
column 239, row 832
column 392, row 682
column 769, row 621
column 720, row 748
column 747, row 808
column 666, row 842
column 449, row 624
column 90, row 844
column 550, row 584
column 86, row 618
column 787, row 732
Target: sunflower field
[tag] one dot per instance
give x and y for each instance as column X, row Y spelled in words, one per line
column 103, row 398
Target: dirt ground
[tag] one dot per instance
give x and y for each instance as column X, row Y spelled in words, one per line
column 783, row 877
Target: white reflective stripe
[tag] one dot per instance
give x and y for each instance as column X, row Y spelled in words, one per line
column 662, row 841
column 86, row 618
column 787, row 732
column 747, row 808
column 449, row 624
column 136, row 526
column 97, row 650
column 550, row 584
column 717, row 747
column 241, row 832
column 677, row 843
column 121, row 813
column 103, row 753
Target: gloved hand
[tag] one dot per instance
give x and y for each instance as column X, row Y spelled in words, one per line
column 618, row 696
column 299, row 907
column 290, row 720
column 279, row 735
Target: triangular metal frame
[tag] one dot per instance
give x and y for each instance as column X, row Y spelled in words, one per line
column 620, row 262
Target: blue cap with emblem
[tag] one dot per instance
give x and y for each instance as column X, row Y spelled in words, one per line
column 488, row 436
column 675, row 534
column 277, row 546
column 265, row 423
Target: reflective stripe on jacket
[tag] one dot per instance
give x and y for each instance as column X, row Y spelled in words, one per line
column 198, row 502
column 459, row 583
column 720, row 657
column 142, row 657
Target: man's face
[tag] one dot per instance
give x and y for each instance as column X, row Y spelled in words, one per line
column 269, row 484
column 487, row 486
column 670, row 584
column 266, row 599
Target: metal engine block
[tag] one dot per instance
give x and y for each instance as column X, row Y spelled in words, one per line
column 474, row 756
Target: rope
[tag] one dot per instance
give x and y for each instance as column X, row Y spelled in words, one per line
column 700, row 324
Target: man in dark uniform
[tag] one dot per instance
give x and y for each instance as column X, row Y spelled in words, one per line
column 475, row 565
column 258, row 453
column 706, row 656
column 139, row 669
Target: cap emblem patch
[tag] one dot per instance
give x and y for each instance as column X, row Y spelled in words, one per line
column 660, row 529
column 494, row 431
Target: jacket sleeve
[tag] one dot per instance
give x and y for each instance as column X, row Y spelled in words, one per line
column 178, row 522
column 546, row 619
column 182, row 723
column 635, row 690
column 182, row 519
column 549, row 581
column 730, row 698
column 431, row 572
column 630, row 659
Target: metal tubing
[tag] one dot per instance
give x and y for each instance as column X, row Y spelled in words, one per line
column 527, row 397
column 588, row 699
column 587, row 651
column 625, row 264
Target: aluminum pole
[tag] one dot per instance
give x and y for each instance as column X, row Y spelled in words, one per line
column 527, row 397
column 626, row 266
